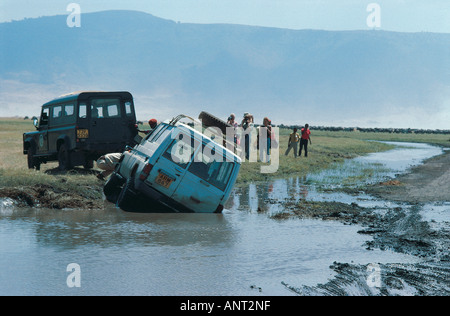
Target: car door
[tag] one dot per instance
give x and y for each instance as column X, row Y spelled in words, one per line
column 106, row 123
column 42, row 136
column 205, row 181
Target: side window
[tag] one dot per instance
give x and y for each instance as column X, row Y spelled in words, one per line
column 57, row 111
column 212, row 167
column 44, row 116
column 82, row 113
column 181, row 150
column 62, row 114
column 128, row 108
column 68, row 110
column 112, row 110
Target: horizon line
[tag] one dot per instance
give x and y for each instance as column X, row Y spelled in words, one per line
column 288, row 126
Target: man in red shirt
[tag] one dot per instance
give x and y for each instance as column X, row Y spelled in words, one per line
column 306, row 135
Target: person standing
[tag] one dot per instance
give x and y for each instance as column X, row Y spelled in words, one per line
column 306, row 135
column 294, row 138
column 265, row 131
column 232, row 120
column 247, row 126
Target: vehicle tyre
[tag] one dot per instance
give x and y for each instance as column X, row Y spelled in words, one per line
column 126, row 194
column 64, row 158
column 209, row 120
column 112, row 187
column 33, row 162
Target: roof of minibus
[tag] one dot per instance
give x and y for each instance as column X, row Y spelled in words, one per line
column 75, row 95
column 196, row 132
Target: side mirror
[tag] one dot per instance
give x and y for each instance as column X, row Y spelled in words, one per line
column 36, row 122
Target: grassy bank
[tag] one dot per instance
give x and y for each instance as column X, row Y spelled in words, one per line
column 327, row 149
column 48, row 187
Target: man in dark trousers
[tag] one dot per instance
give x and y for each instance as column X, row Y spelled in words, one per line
column 305, row 136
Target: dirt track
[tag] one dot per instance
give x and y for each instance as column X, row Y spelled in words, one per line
column 429, row 182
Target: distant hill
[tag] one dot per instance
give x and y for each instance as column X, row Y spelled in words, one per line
column 350, row 78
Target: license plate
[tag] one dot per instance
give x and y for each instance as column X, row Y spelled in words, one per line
column 82, row 133
column 163, row 180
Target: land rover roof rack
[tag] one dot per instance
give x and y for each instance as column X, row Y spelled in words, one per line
column 177, row 118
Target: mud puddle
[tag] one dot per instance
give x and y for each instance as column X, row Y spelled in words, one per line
column 125, row 253
column 400, row 225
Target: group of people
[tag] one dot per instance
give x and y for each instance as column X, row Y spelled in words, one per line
column 247, row 124
column 295, row 138
column 108, row 162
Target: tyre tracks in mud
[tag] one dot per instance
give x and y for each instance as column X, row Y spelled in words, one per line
column 402, row 229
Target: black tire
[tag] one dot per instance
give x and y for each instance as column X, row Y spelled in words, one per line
column 209, row 120
column 112, row 187
column 64, row 158
column 33, row 162
column 126, row 194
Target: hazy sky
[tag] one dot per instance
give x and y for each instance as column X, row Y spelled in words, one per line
column 395, row 15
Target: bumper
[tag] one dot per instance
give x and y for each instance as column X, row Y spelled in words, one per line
column 158, row 197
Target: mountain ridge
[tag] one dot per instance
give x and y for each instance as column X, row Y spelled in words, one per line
column 328, row 77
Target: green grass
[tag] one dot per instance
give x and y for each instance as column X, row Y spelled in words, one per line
column 437, row 139
column 324, row 152
column 330, row 149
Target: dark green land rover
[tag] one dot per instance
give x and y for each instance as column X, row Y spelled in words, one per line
column 77, row 128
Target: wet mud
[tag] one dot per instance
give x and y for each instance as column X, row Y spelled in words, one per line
column 393, row 279
column 428, row 182
column 402, row 229
column 47, row 196
column 57, row 194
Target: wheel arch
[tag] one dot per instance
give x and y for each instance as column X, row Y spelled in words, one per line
column 63, row 139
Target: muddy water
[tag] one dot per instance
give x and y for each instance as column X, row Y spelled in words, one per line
column 240, row 252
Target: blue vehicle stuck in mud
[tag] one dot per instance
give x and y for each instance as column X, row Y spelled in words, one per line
column 176, row 166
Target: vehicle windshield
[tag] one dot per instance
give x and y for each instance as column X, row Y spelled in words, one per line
column 211, row 165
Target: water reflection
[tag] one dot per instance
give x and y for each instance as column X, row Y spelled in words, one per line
column 269, row 197
column 68, row 229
